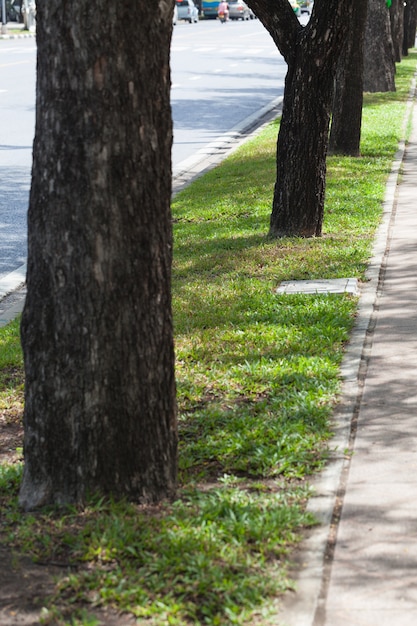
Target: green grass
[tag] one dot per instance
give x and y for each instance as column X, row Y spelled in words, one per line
column 11, row 372
column 10, row 352
column 212, row 557
column 258, row 378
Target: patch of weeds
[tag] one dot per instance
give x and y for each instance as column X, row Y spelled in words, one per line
column 212, row 557
column 79, row 617
column 11, row 373
column 10, row 351
column 255, row 396
column 10, row 476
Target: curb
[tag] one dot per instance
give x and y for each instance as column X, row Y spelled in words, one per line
column 23, row 34
column 12, row 311
column 18, row 36
column 313, row 559
column 11, row 299
column 213, row 153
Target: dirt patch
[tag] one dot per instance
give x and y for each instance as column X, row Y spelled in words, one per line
column 11, row 441
column 25, row 585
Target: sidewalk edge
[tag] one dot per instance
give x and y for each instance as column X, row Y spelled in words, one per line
column 9, row 284
column 314, row 559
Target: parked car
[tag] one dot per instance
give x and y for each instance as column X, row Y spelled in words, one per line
column 187, row 11
column 295, row 7
column 175, row 15
column 238, row 10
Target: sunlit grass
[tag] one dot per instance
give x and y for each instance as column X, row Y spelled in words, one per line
column 11, row 372
column 258, row 378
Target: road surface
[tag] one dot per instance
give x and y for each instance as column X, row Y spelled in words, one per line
column 222, row 74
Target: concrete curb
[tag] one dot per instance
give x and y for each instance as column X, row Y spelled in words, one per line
column 313, row 561
column 16, row 26
column 18, row 36
column 9, row 284
column 9, row 314
column 212, row 154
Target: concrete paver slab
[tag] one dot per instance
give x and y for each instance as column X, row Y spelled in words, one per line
column 320, row 286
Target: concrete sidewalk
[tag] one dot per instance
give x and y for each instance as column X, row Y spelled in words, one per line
column 373, row 577
column 360, row 566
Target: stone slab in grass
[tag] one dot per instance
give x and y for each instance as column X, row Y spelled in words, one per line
column 320, row 286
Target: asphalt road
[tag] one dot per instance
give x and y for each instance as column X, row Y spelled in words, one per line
column 17, row 117
column 222, row 74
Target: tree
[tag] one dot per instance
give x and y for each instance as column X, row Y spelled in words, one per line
column 396, row 13
column 411, row 6
column 100, row 412
column 379, row 67
column 346, row 125
column 311, row 53
column 410, row 25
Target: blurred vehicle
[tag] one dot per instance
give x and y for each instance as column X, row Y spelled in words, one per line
column 209, row 8
column 223, row 11
column 187, row 11
column 295, row 7
column 175, row 15
column 252, row 14
column 238, row 10
column 305, row 6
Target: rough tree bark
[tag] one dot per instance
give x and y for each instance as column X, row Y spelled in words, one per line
column 410, row 25
column 396, row 13
column 412, row 22
column 379, row 65
column 100, row 410
column 311, row 53
column 345, row 132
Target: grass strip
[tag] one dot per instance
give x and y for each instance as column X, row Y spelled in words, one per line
column 258, row 378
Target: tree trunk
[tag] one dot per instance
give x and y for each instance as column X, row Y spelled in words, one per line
column 298, row 203
column 379, row 64
column 397, row 27
column 412, row 22
column 406, row 34
column 410, row 25
column 100, row 412
column 311, row 53
column 345, row 133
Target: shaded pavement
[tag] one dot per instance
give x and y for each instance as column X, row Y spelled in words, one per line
column 360, row 567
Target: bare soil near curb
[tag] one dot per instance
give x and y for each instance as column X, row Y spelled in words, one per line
column 25, row 585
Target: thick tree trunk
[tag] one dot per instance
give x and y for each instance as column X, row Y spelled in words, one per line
column 410, row 25
column 345, row 133
column 412, row 22
column 298, row 203
column 100, row 410
column 379, row 63
column 406, row 34
column 311, row 54
column 397, row 27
